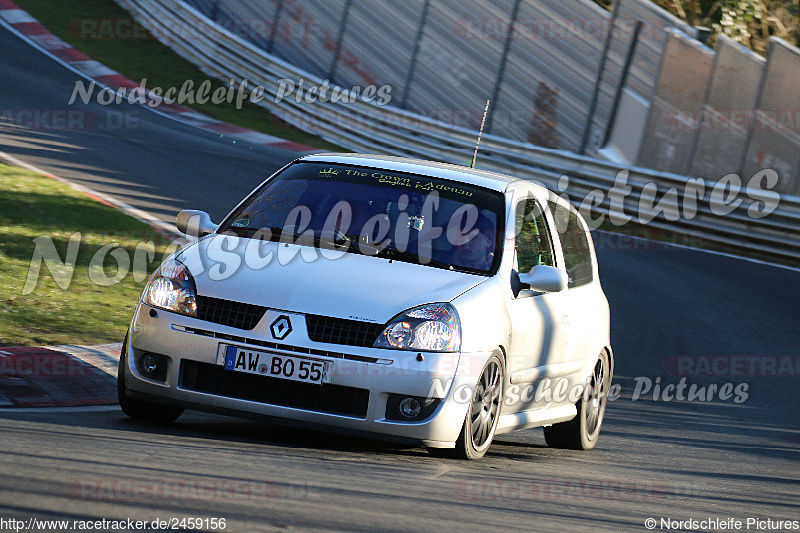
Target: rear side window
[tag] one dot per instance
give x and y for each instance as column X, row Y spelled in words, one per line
column 533, row 244
column 577, row 254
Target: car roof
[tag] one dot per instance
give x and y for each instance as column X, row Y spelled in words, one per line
column 473, row 176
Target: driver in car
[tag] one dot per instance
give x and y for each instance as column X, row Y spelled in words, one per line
column 475, row 250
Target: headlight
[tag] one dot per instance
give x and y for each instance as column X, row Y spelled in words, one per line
column 172, row 288
column 430, row 328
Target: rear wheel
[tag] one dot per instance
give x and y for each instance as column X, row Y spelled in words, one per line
column 482, row 416
column 140, row 409
column 582, row 432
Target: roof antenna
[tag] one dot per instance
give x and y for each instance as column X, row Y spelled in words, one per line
column 480, row 133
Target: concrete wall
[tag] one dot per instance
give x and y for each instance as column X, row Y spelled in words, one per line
column 561, row 74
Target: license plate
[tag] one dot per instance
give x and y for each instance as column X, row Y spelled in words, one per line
column 277, row 366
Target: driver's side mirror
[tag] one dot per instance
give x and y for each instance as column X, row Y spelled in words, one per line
column 541, row 278
column 194, row 223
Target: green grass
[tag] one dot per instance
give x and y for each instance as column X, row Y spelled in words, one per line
column 33, row 206
column 139, row 58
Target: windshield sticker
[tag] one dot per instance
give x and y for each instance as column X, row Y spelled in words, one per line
column 397, row 181
column 442, row 187
column 428, row 186
column 329, row 172
column 392, row 180
column 241, row 223
column 416, row 222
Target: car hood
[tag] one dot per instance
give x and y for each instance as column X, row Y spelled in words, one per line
column 343, row 285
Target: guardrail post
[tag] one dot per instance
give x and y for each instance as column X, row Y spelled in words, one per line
column 600, row 71
column 756, row 108
column 701, row 116
column 503, row 60
column 412, row 67
column 274, row 31
column 339, row 38
column 625, row 70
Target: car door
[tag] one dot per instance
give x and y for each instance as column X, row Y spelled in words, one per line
column 537, row 345
column 581, row 295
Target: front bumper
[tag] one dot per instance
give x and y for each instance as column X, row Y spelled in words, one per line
column 189, row 344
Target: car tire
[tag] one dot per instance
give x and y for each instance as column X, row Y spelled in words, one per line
column 582, row 432
column 482, row 415
column 140, row 409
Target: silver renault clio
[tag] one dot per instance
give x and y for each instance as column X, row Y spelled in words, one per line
column 395, row 298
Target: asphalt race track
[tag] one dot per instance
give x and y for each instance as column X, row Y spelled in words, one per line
column 111, row 149
column 675, row 313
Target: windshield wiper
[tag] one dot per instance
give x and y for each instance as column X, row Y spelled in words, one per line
column 238, row 231
column 411, row 257
column 342, row 242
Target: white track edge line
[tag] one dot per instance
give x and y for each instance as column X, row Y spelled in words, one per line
column 128, row 209
column 171, row 116
column 713, row 252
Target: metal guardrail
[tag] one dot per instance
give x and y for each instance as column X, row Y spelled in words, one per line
column 367, row 127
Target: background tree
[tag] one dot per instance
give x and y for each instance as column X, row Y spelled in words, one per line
column 750, row 22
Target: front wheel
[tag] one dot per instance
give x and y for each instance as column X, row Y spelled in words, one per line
column 582, row 432
column 140, row 409
column 482, row 416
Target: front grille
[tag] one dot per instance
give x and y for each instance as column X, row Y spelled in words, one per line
column 325, row 398
column 340, row 331
column 285, row 347
column 227, row 313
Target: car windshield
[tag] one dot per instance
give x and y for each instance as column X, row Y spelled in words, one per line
column 384, row 213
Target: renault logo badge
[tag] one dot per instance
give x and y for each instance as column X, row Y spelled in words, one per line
column 281, row 327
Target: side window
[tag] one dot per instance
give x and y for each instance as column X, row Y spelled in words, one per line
column 577, row 255
column 533, row 244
